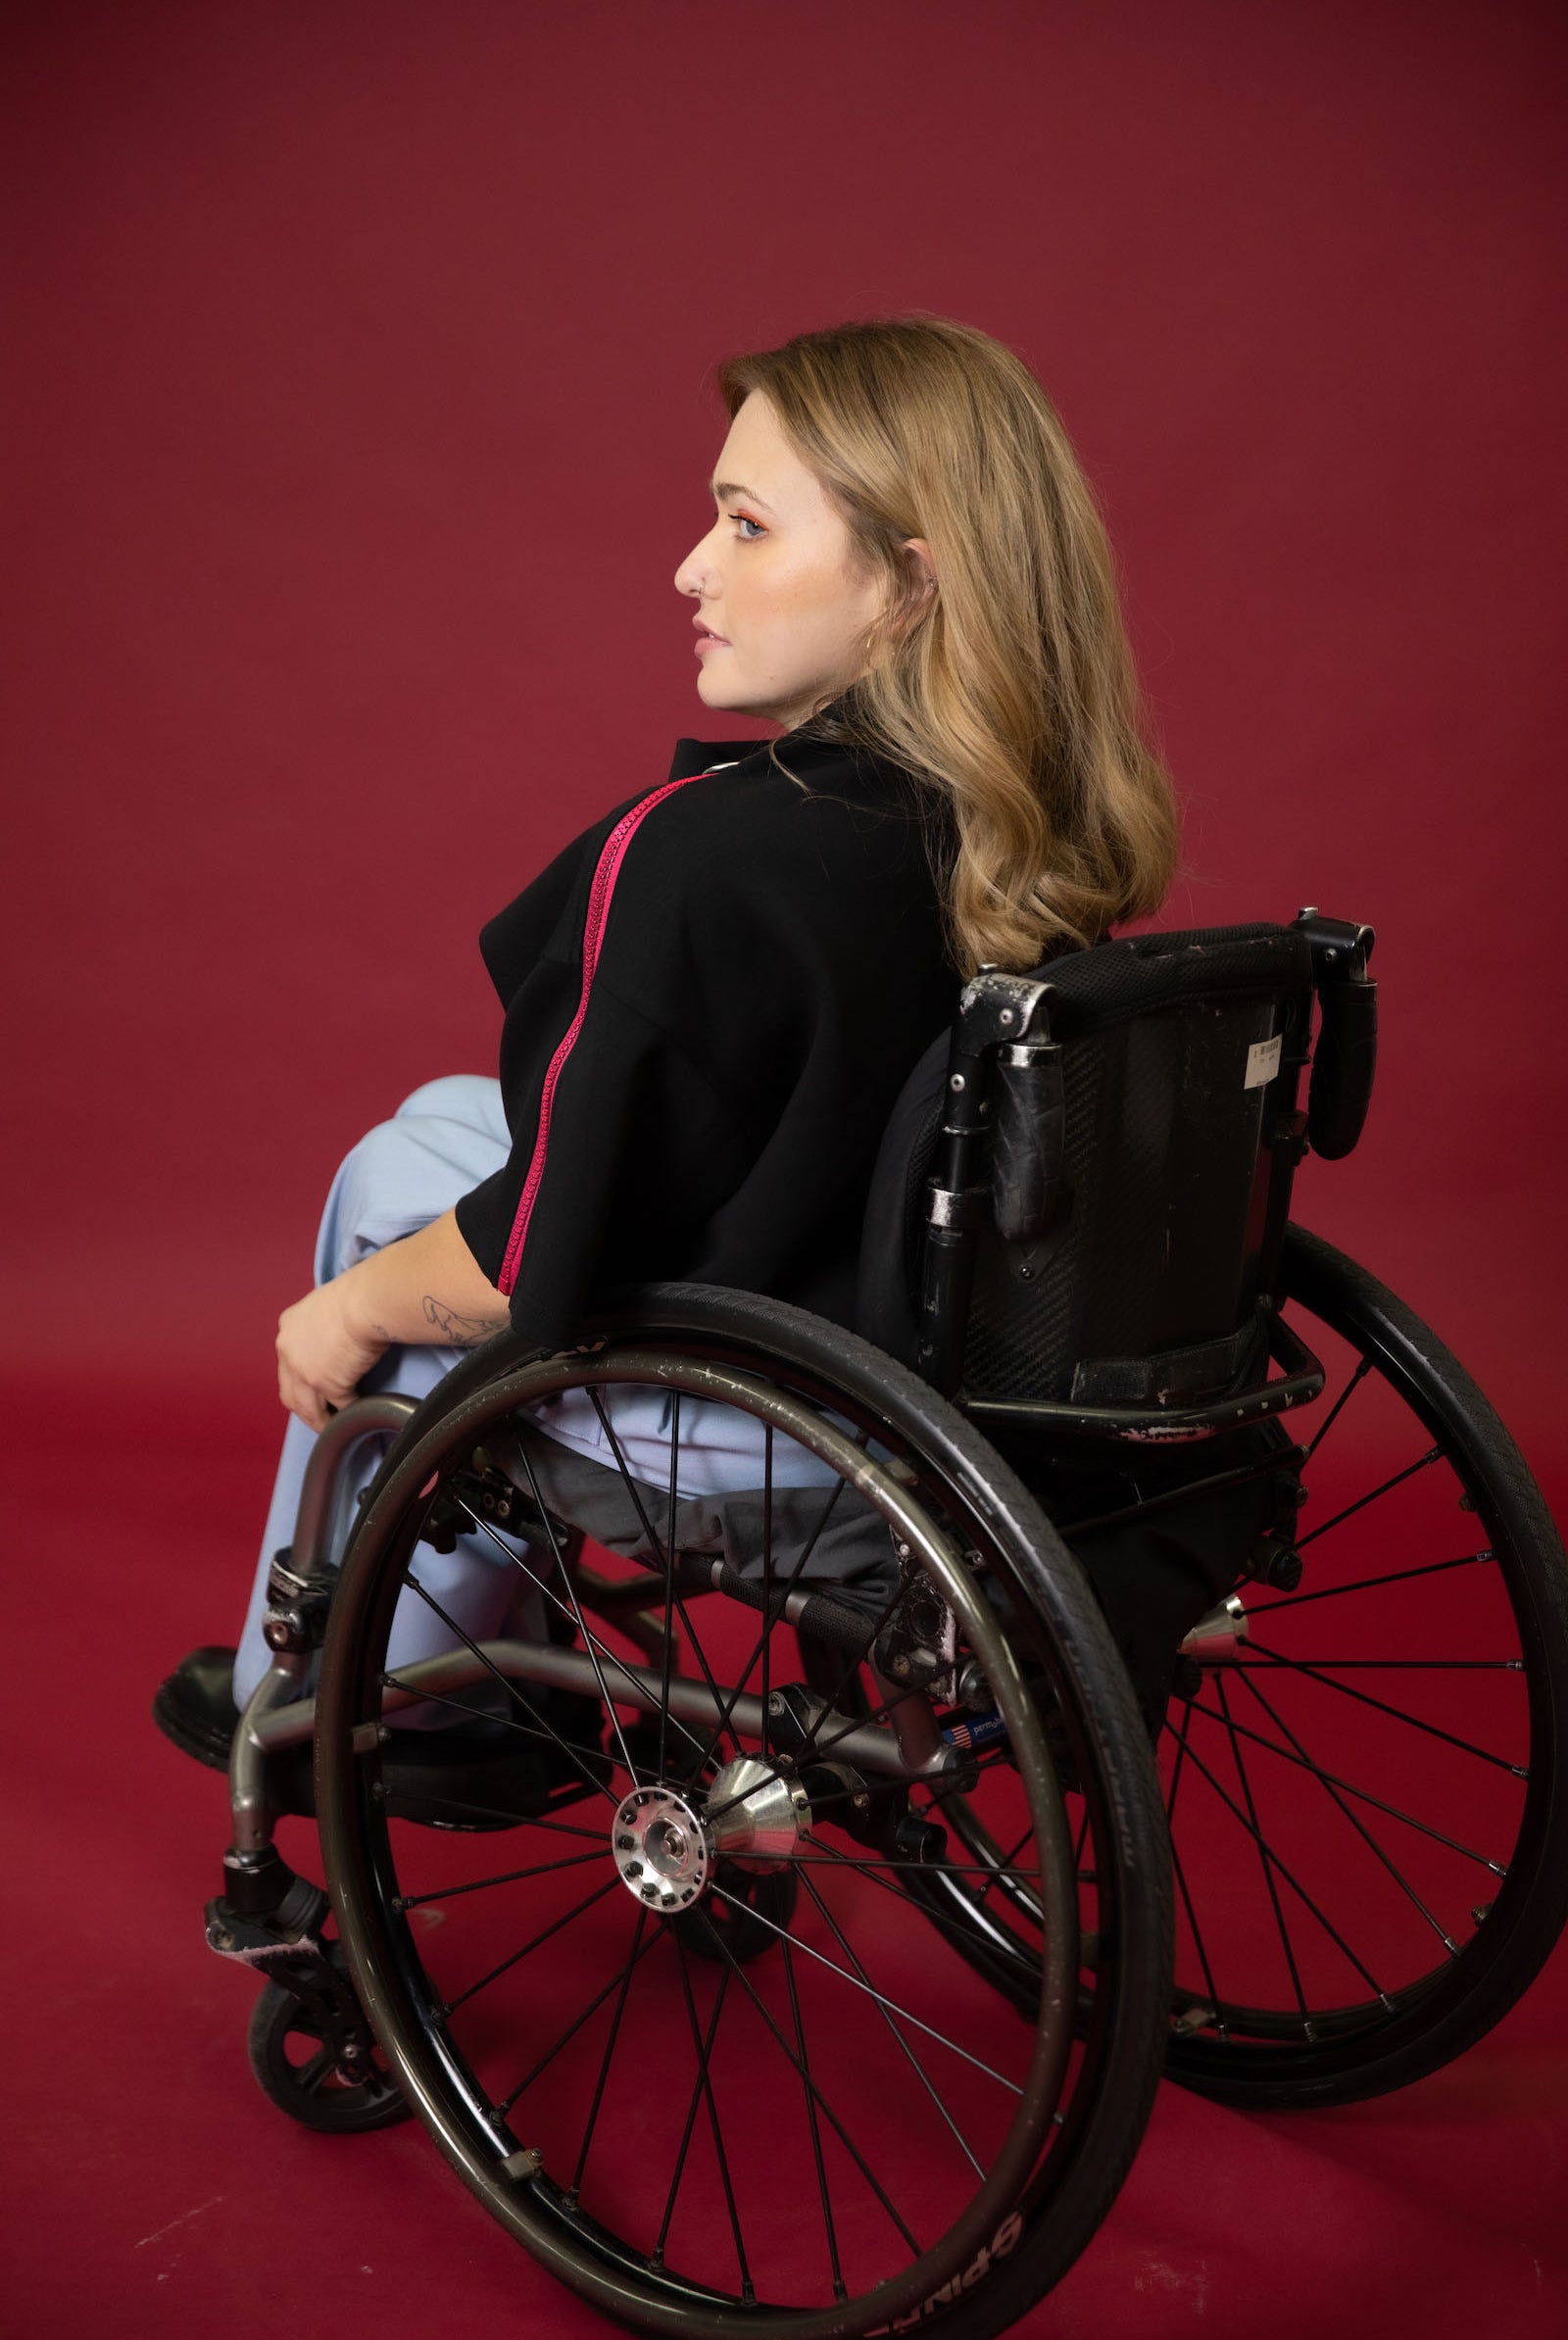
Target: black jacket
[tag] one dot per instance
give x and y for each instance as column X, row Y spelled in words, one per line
column 713, row 997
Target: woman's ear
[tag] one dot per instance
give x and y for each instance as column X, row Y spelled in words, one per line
column 920, row 585
column 919, row 552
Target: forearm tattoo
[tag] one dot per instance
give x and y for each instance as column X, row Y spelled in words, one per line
column 455, row 1329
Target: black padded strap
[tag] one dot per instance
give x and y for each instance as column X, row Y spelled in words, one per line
column 1207, row 1369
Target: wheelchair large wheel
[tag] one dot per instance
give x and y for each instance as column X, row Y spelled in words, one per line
column 700, row 2045
column 1365, row 1783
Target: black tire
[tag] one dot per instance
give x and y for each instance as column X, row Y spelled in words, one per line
column 941, row 1474
column 315, row 2058
column 1484, row 1621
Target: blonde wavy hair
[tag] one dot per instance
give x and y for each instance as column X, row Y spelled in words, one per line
column 1010, row 688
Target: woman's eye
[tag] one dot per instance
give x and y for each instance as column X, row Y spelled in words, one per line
column 742, row 522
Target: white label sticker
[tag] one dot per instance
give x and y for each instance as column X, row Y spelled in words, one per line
column 1262, row 1061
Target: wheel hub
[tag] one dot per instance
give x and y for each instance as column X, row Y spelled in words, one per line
column 662, row 1848
column 1216, row 1638
column 756, row 1813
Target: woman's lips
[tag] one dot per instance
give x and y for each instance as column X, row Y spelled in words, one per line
column 711, row 642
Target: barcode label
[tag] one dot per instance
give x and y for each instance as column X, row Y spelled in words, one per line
column 1262, row 1061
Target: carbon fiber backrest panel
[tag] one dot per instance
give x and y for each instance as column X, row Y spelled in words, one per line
column 1160, row 1245
column 1158, row 1249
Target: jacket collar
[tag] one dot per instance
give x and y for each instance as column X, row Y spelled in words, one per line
column 805, row 753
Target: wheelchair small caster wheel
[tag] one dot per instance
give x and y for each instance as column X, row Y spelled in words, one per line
column 314, row 2057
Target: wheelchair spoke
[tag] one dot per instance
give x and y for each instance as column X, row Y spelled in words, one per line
column 1263, row 1853
column 509, row 1687
column 1434, row 1454
column 1180, row 1872
column 811, row 1745
column 812, row 1742
column 666, row 1557
column 1294, row 1884
column 512, row 1877
column 565, row 1575
column 939, row 1868
column 704, row 2074
column 957, row 1929
column 659, row 1553
column 1004, row 1866
column 1362, row 1369
column 705, row 1670
column 669, row 1589
column 392, row 1682
column 808, row 1744
column 767, row 1576
column 1359, row 1825
column 1214, row 1999
column 915, row 2066
column 992, row 1760
column 573, row 2028
column 703, row 2051
column 1274, row 1657
column 1363, row 1795
column 746, row 1672
column 829, row 2229
column 575, row 2189
column 842, row 2133
column 451, row 2006
column 844, row 1976
column 1408, row 1665
column 1176, row 1771
column 451, row 1806
column 1398, row 1576
column 595, row 1646
column 883, row 1619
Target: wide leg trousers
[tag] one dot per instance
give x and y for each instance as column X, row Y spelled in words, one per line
column 441, row 1142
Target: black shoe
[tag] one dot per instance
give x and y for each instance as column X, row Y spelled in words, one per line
column 478, row 1774
column 195, row 1709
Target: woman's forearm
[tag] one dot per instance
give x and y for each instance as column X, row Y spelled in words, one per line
column 427, row 1289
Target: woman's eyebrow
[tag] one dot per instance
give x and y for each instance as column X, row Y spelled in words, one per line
column 726, row 490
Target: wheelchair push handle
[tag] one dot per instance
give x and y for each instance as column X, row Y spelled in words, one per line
column 998, row 1151
column 1028, row 1139
column 1345, row 1060
column 1005, row 1035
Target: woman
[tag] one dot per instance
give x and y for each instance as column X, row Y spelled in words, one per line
column 713, row 996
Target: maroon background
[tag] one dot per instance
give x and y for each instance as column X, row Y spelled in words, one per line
column 365, row 416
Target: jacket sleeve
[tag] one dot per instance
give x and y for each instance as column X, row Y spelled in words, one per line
column 620, row 1152
column 620, row 1148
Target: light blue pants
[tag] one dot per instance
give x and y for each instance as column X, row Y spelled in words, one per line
column 443, row 1141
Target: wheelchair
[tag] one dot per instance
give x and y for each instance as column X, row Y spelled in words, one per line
column 1140, row 1650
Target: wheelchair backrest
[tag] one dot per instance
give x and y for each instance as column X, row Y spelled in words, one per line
column 1136, row 1148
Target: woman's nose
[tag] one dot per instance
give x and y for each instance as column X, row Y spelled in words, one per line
column 695, row 573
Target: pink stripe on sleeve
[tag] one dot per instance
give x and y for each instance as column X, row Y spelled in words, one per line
column 607, row 869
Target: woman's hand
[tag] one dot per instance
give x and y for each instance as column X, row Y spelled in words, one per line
column 326, row 1343
column 426, row 1290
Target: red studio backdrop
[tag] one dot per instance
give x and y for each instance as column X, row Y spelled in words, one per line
column 360, row 412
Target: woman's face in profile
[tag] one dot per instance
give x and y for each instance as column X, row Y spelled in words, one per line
column 781, row 607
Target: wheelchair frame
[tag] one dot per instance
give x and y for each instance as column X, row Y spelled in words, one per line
column 999, row 1153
